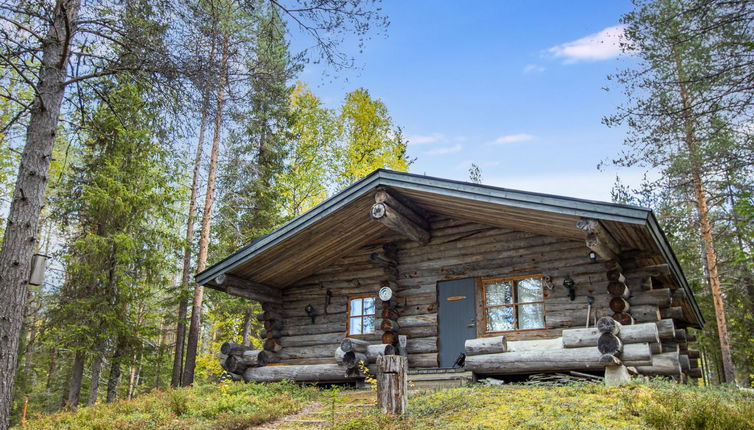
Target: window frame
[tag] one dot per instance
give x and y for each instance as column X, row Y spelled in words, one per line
column 349, row 316
column 515, row 304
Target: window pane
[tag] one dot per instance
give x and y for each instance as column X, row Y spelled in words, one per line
column 500, row 319
column 529, row 290
column 356, row 307
column 369, row 306
column 368, row 325
column 499, row 293
column 531, row 316
column 355, row 326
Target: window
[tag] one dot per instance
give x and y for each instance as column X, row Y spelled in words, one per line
column 360, row 316
column 513, row 304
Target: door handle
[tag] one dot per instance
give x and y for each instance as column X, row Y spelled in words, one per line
column 471, row 325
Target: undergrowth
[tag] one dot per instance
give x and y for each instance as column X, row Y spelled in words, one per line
column 225, row 406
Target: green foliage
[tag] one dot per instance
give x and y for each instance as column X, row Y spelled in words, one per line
column 213, row 406
column 370, row 140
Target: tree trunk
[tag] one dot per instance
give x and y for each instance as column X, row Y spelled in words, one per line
column 77, row 376
column 196, row 309
column 28, row 197
column 114, row 378
column 180, row 330
column 247, row 328
column 94, row 382
column 52, row 369
column 705, row 227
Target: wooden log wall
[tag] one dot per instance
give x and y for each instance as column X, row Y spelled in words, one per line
column 457, row 250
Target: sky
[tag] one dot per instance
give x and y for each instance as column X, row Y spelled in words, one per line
column 516, row 87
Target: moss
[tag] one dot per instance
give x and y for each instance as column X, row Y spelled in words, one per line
column 226, row 406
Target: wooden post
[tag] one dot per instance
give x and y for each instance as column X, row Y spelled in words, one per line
column 392, row 384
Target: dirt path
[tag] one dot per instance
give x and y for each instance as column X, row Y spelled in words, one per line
column 318, row 414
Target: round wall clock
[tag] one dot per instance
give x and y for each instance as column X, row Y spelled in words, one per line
column 385, row 294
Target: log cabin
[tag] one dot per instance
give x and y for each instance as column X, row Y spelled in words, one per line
column 461, row 278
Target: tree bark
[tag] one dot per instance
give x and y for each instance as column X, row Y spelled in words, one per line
column 96, row 371
column 114, row 378
column 28, row 196
column 180, row 330
column 196, row 309
column 246, row 334
column 77, row 376
column 705, row 226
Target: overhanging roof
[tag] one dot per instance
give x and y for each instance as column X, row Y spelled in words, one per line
column 341, row 224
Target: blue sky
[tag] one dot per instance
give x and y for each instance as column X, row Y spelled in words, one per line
column 514, row 86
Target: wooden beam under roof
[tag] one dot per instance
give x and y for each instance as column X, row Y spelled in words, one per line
column 240, row 287
column 400, row 218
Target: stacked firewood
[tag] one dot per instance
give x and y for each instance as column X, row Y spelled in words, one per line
column 272, row 320
column 353, row 352
column 235, row 359
column 638, row 346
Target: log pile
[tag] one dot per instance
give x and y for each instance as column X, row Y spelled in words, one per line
column 272, row 319
column 355, row 352
column 642, row 347
column 235, row 359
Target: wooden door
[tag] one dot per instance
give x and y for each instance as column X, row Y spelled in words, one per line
column 456, row 316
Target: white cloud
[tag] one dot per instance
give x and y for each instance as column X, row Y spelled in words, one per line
column 425, row 139
column 603, row 45
column 444, row 150
column 533, row 68
column 513, row 138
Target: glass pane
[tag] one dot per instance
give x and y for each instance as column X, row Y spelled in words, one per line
column 369, row 306
column 529, row 290
column 356, row 307
column 355, row 326
column 499, row 293
column 531, row 316
column 368, row 325
column 500, row 319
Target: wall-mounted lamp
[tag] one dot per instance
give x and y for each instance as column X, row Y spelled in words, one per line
column 311, row 312
column 571, row 285
column 592, row 256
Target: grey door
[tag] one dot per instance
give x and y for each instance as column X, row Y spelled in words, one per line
column 457, row 317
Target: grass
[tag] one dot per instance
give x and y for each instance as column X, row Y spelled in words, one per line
column 226, row 406
column 655, row 405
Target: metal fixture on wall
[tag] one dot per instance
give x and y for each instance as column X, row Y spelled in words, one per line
column 571, row 285
column 311, row 312
column 592, row 256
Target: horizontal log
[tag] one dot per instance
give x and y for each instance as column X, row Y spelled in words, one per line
column 665, row 364
column 229, row 348
column 646, row 313
column 694, row 353
column 421, row 345
column 666, row 329
column 389, row 337
column 656, row 348
column 356, row 345
column 552, row 360
column 423, row 360
column 299, row 373
column 695, row 373
column 685, row 363
column 485, row 345
column 619, row 304
column 253, row 358
column 383, row 196
column 534, row 345
column 653, row 271
column 638, row 333
column 374, row 351
column 675, row 312
column 660, row 297
column 417, row 320
column 639, row 282
column 395, row 221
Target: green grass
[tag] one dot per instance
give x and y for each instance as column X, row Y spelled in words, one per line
column 656, row 405
column 226, row 406
column 662, row 406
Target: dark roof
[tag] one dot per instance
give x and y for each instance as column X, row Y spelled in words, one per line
column 483, row 194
